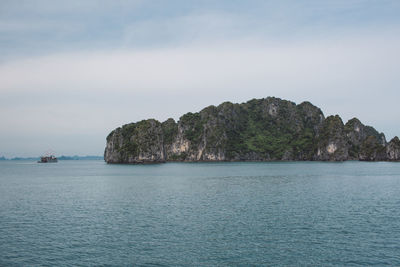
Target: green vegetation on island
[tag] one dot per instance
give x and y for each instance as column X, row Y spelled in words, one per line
column 259, row 130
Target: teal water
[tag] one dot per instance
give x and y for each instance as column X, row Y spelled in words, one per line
column 81, row 213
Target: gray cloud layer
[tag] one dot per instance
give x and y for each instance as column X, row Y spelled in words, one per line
column 69, row 99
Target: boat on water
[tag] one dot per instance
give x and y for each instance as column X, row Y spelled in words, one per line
column 48, row 159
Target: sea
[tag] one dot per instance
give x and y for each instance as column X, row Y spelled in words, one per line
column 89, row 213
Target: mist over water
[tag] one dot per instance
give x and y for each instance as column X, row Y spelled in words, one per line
column 300, row 213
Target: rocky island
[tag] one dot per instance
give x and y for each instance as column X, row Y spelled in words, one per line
column 269, row 129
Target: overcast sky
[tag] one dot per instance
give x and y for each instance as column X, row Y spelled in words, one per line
column 72, row 71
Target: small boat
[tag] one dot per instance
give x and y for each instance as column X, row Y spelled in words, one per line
column 48, row 159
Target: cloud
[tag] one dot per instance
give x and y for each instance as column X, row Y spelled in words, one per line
column 187, row 29
column 366, row 63
column 94, row 71
column 48, row 27
column 346, row 76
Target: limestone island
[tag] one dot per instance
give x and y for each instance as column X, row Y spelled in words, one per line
column 268, row 129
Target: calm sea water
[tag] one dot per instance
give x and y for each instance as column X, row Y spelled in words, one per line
column 204, row 214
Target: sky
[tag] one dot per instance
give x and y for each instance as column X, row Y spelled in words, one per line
column 72, row 71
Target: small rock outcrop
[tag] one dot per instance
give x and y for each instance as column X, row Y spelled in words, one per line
column 393, row 150
column 259, row 130
column 332, row 141
column 141, row 142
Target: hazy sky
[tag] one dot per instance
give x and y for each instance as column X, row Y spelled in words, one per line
column 72, row 71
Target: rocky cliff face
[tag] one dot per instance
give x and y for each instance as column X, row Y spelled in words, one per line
column 393, row 150
column 141, row 142
column 332, row 141
column 258, row 130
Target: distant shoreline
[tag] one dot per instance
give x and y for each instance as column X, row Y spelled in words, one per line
column 59, row 158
